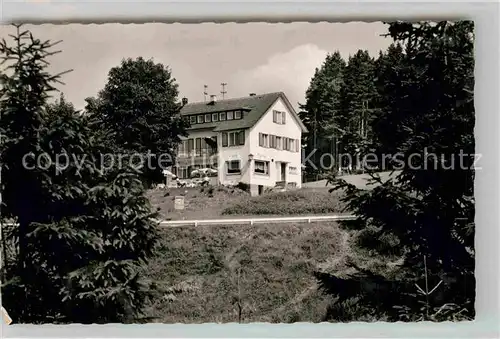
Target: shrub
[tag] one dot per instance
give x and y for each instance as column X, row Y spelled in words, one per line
column 243, row 186
column 286, row 203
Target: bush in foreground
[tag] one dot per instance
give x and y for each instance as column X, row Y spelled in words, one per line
column 82, row 232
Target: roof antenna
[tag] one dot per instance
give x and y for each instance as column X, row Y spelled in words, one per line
column 223, row 92
column 205, row 93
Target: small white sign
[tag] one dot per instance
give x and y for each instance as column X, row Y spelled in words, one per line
column 179, row 202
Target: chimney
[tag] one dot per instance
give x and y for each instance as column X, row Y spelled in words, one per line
column 213, row 99
column 184, row 101
column 252, row 94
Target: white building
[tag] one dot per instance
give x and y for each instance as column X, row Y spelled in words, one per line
column 255, row 140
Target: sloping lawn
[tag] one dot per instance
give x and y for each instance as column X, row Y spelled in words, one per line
column 199, row 203
column 298, row 202
column 275, row 264
column 214, row 203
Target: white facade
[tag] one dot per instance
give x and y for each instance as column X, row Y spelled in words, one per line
column 270, row 153
column 283, row 165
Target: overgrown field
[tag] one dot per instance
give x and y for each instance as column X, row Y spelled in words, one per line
column 267, row 268
column 211, row 203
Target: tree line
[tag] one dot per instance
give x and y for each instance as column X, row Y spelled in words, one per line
column 342, row 102
column 75, row 239
column 417, row 95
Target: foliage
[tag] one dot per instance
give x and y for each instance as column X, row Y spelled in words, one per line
column 428, row 209
column 322, row 108
column 286, row 203
column 358, row 102
column 138, row 108
column 341, row 103
column 393, row 70
column 83, row 228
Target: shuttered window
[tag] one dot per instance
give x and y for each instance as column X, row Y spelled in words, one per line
column 273, row 141
column 278, row 143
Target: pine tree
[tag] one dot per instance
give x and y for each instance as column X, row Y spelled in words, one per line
column 83, row 227
column 322, row 107
column 358, row 102
column 426, row 213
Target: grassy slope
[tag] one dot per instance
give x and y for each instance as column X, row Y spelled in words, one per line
column 226, row 203
column 276, row 281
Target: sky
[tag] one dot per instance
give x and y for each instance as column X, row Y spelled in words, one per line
column 250, row 57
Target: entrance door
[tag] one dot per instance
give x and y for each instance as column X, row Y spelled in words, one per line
column 283, row 171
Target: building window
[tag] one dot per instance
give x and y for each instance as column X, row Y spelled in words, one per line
column 232, row 138
column 237, row 115
column 183, row 148
column 276, row 117
column 222, row 116
column 180, row 172
column 192, row 119
column 215, row 116
column 279, row 117
column 263, row 140
column 261, row 167
column 230, row 115
column 297, row 145
column 278, row 143
column 233, row 167
column 236, row 138
column 198, row 147
column 273, row 141
column 204, row 146
column 184, row 173
column 208, row 118
column 190, row 146
column 200, row 119
column 224, row 139
column 292, row 145
column 287, row 144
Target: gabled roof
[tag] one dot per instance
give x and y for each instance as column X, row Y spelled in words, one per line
column 256, row 106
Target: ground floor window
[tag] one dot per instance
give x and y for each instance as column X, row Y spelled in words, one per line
column 261, row 167
column 233, row 167
column 181, row 172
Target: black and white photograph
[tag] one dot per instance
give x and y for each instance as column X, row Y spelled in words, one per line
column 237, row 172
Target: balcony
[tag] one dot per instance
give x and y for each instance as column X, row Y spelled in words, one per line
column 204, row 158
column 197, row 153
